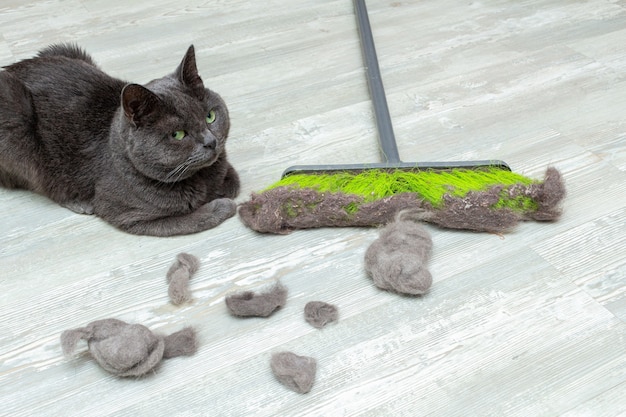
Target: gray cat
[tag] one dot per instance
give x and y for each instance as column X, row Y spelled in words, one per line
column 149, row 160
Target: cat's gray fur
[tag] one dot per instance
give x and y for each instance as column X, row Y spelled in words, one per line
column 96, row 144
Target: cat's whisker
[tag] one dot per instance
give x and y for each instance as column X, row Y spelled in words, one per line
column 180, row 170
column 177, row 173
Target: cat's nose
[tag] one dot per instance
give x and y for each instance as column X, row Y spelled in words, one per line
column 210, row 141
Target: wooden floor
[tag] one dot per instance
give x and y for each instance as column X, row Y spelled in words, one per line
column 528, row 324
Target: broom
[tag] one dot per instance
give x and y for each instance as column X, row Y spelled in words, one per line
column 473, row 195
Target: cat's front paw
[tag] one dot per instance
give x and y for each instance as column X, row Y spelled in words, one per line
column 79, row 207
column 215, row 212
column 231, row 183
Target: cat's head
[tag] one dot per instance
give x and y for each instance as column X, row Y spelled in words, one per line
column 174, row 126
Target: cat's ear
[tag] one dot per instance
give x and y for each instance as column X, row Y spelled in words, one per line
column 187, row 73
column 139, row 103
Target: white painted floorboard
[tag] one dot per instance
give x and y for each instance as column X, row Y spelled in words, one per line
column 528, row 324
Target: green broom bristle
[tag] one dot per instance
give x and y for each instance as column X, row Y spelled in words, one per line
column 431, row 185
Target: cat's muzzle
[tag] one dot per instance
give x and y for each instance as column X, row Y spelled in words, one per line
column 209, row 141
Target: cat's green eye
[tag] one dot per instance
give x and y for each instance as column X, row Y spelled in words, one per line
column 210, row 118
column 179, row 134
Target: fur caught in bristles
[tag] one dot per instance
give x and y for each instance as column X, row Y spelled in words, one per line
column 492, row 200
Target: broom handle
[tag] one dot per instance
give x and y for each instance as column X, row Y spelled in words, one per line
column 386, row 138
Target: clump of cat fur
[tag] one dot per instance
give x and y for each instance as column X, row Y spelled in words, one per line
column 396, row 261
column 128, row 350
column 257, row 304
column 150, row 160
column 178, row 276
column 294, row 371
column 319, row 313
